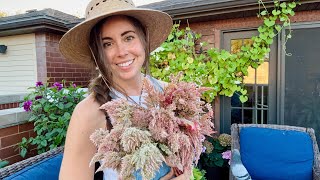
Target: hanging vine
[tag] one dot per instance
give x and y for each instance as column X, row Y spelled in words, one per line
column 220, row 69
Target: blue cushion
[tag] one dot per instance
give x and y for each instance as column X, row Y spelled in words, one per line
column 163, row 170
column 276, row 154
column 47, row 169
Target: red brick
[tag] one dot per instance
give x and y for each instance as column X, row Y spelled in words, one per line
column 8, row 131
column 13, row 139
column 50, row 69
column 71, row 70
column 208, row 39
column 57, row 74
column 14, row 159
column 26, row 127
column 32, row 134
column 59, row 69
column 9, row 151
column 76, row 74
column 54, row 54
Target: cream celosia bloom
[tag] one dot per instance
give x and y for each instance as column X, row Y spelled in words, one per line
column 170, row 129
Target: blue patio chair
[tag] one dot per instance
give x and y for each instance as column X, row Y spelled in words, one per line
column 274, row 152
column 43, row 166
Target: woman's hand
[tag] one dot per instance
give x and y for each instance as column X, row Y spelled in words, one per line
column 171, row 176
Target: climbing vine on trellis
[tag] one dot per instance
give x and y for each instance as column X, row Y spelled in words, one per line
column 219, row 69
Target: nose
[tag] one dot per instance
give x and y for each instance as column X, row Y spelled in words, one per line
column 122, row 49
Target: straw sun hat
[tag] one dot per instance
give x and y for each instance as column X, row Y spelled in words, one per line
column 74, row 45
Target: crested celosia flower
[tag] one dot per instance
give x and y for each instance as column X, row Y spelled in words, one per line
column 27, row 105
column 225, row 140
column 170, row 129
column 132, row 138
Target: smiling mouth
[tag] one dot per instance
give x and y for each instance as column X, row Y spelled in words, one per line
column 126, row 64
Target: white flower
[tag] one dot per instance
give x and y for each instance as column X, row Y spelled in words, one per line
column 237, row 82
column 159, row 49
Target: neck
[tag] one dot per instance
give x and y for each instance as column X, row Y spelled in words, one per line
column 132, row 87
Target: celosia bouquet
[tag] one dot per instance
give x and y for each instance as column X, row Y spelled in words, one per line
column 170, row 128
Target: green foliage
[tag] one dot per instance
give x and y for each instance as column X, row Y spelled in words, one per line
column 213, row 155
column 198, row 174
column 219, row 69
column 51, row 109
column 3, row 163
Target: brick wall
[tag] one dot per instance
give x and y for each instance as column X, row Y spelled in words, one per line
column 9, row 105
column 56, row 67
column 211, row 30
column 10, row 137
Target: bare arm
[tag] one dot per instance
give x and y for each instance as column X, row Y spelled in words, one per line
column 79, row 150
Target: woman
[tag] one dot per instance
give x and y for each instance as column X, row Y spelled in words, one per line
column 116, row 39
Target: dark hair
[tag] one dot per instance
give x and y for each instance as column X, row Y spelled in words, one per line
column 98, row 87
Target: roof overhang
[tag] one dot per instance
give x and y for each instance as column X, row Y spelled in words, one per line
column 211, row 11
column 32, row 25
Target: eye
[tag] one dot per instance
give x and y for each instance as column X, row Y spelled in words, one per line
column 107, row 44
column 129, row 38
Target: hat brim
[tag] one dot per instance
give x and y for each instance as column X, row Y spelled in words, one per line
column 74, row 45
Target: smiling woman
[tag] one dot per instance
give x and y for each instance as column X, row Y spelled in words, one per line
column 116, row 38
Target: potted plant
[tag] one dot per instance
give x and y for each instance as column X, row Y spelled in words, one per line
column 216, row 157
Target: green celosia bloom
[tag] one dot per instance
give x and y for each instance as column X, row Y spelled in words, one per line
column 132, row 138
column 165, row 149
column 225, row 140
column 148, row 159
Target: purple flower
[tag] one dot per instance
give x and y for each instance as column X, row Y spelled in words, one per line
column 203, row 149
column 74, row 85
column 27, row 105
column 39, row 83
column 38, row 97
column 57, row 85
column 226, row 154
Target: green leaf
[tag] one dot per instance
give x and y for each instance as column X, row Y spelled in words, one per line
column 283, row 5
column 53, row 116
column 3, row 163
column 60, row 105
column 278, row 27
column 23, row 152
column 243, row 98
column 269, row 22
column 292, row 5
column 43, row 143
column 276, row 12
column 68, row 105
column 263, row 13
column 261, row 29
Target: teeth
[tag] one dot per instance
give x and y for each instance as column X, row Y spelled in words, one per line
column 125, row 64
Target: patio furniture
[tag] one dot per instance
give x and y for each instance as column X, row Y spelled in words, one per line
column 43, row 166
column 268, row 151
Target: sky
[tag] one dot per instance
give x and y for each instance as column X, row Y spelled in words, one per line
column 74, row 7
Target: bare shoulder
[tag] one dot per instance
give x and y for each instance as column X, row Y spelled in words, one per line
column 79, row 150
column 87, row 109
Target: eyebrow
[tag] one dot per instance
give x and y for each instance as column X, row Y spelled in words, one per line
column 122, row 34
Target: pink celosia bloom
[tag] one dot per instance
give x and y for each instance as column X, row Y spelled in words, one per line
column 171, row 129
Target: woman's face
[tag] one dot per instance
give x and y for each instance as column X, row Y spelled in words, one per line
column 123, row 49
